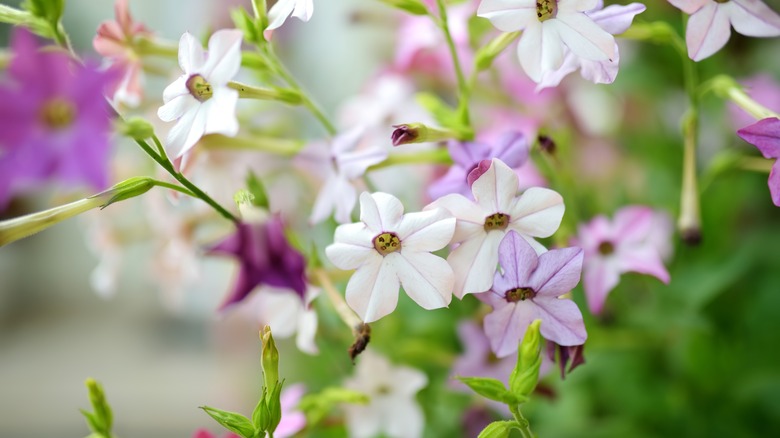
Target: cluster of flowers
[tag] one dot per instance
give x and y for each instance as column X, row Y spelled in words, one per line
column 60, row 123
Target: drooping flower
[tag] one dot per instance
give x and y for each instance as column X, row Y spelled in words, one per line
column 116, row 40
column 569, row 357
column 482, row 224
column 55, row 123
column 615, row 19
column 392, row 409
column 338, row 164
column 200, row 100
column 265, row 258
column 389, row 249
column 765, row 135
column 637, row 240
column 549, row 27
column 300, row 9
column 529, row 289
column 511, row 148
column 709, row 27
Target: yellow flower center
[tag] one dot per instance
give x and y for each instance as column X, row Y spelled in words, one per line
column 58, row 113
column 519, row 294
column 387, row 243
column 199, row 88
column 496, row 221
column 546, row 9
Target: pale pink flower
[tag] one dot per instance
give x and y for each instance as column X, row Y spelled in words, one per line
column 637, row 240
column 709, row 27
column 482, row 224
column 283, row 9
column 390, row 249
column 116, row 40
column 392, row 409
column 549, row 28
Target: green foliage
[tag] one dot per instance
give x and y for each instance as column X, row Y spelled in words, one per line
column 231, row 421
column 101, row 419
column 317, row 405
column 491, row 389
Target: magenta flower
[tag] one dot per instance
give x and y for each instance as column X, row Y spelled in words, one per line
column 709, row 27
column 115, row 40
column 530, row 289
column 511, row 148
column 765, row 135
column 265, row 257
column 636, row 241
column 54, row 121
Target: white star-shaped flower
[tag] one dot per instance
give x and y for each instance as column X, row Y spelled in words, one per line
column 482, row 224
column 549, row 27
column 300, row 9
column 392, row 409
column 389, row 249
column 200, row 100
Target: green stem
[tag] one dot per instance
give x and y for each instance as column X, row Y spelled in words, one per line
column 463, row 87
column 523, row 425
column 434, row 156
column 251, row 92
column 278, row 146
column 196, row 192
column 168, row 185
column 727, row 88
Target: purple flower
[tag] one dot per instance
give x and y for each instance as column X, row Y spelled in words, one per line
column 765, row 135
column 529, row 289
column 54, row 121
column 265, row 257
column 636, row 241
column 764, row 89
column 511, row 148
column 571, row 357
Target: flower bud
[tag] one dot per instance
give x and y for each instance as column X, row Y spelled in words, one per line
column 419, row 133
column 524, row 377
column 269, row 359
column 136, row 128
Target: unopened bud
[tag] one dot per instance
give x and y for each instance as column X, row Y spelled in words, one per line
column 269, row 359
column 546, row 144
column 525, row 376
column 419, row 133
column 136, row 128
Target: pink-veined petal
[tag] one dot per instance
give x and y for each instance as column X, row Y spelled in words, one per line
column 558, row 272
column 506, row 326
column 633, row 223
column 689, row 6
column 426, row 278
column 425, row 231
column 380, row 211
column 372, row 292
column 616, row 19
column 584, row 37
column 495, row 189
column 765, row 135
column 644, row 260
column 508, row 15
column 774, row 183
column 537, row 213
column 561, row 321
column 599, row 278
column 474, row 262
column 753, row 18
column 517, row 259
column 708, row 31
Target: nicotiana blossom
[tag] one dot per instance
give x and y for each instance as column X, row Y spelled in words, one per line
column 549, row 27
column 54, row 120
column 530, row 288
column 265, row 258
column 637, row 240
column 482, row 224
column 339, row 164
column 389, row 249
column 709, row 27
column 392, row 409
column 279, row 12
column 765, row 135
column 511, row 148
column 200, row 100
column 115, row 40
column 615, row 19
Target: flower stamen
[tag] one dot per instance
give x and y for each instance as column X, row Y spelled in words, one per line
column 606, row 248
column 546, row 9
column 199, row 88
column 496, row 221
column 519, row 294
column 387, row 243
column 58, row 113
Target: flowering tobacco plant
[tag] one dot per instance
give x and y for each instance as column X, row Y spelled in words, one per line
column 377, row 159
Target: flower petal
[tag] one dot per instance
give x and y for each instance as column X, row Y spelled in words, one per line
column 474, row 263
column 561, row 321
column 176, row 108
column 558, row 272
column 495, row 189
column 426, row 278
column 352, row 246
column 425, row 231
column 774, row 183
column 175, row 89
column 529, row 51
column 689, row 6
column 633, row 223
column 460, row 207
column 508, row 15
column 372, row 292
column 278, row 14
column 506, row 326
column 355, row 164
column 191, row 56
column 511, row 148
column 380, row 211
column 753, row 18
column 599, row 278
column 222, row 112
column 224, row 58
column 765, row 135
column 644, row 260
column 616, row 19
column 177, row 136
column 707, row 32
column 403, row 417
column 537, row 213
column 517, row 259
column 584, row 37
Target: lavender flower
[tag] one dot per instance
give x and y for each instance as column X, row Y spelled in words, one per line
column 765, row 135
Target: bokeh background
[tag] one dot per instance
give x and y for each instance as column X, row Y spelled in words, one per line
column 696, row 358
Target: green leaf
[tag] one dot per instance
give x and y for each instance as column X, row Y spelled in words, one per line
column 260, row 416
column 274, row 404
column 49, row 10
column 492, row 389
column 498, row 429
column 246, row 24
column 444, row 115
column 231, row 421
column 257, row 189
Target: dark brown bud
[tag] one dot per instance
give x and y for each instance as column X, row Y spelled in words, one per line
column 362, row 337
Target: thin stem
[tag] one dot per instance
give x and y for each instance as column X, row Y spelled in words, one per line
column 278, row 146
column 755, row 164
column 197, row 192
column 168, row 185
column 345, row 313
column 434, row 156
column 463, row 88
column 522, row 424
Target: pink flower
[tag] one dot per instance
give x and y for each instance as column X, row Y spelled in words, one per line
column 765, row 135
column 529, row 289
column 764, row 89
column 637, row 240
column 115, row 40
column 709, row 26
